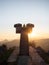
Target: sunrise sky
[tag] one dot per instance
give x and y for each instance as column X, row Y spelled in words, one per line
column 24, row 11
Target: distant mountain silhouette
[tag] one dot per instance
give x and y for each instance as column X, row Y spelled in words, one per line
column 10, row 43
column 43, row 43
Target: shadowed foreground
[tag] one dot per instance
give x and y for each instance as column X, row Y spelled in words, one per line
column 32, row 59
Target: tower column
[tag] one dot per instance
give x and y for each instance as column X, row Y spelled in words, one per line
column 23, row 56
column 24, row 45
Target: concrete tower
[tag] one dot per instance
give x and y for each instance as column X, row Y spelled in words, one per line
column 24, row 45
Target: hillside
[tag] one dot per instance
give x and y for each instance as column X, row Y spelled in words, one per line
column 44, row 43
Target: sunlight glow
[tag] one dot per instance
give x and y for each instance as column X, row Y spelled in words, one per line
column 32, row 35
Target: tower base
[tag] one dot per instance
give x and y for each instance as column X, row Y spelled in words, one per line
column 23, row 60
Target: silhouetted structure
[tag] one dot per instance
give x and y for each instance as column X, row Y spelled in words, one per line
column 24, row 46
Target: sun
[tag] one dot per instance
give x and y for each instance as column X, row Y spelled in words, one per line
column 32, row 35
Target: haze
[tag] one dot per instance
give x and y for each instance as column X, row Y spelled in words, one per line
column 24, row 11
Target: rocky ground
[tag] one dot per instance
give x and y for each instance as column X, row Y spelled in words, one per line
column 32, row 59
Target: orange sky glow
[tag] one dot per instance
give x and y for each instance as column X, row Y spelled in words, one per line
column 25, row 11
